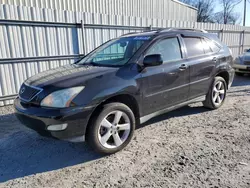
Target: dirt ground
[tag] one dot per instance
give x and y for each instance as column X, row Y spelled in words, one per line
column 190, row 147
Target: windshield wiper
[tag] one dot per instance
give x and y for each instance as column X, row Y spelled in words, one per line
column 90, row 63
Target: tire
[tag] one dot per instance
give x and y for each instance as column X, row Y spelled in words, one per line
column 239, row 74
column 106, row 125
column 213, row 102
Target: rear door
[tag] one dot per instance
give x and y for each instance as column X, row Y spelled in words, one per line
column 167, row 84
column 201, row 61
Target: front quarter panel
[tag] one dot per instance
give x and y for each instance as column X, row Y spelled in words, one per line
column 101, row 88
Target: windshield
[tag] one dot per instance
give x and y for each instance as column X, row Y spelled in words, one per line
column 116, row 52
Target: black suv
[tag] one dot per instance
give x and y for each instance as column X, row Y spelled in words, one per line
column 125, row 82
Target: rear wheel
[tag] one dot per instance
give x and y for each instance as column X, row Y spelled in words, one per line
column 112, row 129
column 216, row 94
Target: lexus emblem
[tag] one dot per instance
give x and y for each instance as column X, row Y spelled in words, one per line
column 22, row 90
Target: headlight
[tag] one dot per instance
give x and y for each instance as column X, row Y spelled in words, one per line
column 61, row 98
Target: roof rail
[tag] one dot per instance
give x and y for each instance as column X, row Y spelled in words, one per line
column 130, row 33
column 181, row 29
column 137, row 32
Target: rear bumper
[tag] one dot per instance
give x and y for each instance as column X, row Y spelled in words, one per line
column 39, row 119
column 242, row 68
column 231, row 77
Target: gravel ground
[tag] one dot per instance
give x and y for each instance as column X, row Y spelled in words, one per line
column 190, row 147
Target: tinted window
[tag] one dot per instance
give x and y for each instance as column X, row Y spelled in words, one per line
column 168, row 48
column 137, row 45
column 206, row 46
column 194, row 46
column 215, row 48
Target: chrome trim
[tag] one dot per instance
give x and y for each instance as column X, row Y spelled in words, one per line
column 178, row 87
column 167, row 90
column 198, row 81
column 40, row 90
column 150, row 116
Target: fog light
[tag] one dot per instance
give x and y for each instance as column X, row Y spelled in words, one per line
column 59, row 127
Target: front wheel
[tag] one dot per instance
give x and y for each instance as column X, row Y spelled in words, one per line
column 216, row 94
column 112, row 129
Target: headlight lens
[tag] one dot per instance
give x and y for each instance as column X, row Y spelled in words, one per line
column 61, row 98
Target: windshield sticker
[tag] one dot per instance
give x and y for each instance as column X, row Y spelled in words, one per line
column 142, row 38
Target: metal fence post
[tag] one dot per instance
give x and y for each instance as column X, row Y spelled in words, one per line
column 243, row 41
column 150, row 28
column 83, row 36
column 240, row 42
column 222, row 35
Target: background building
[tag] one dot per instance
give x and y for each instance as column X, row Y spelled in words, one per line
column 161, row 9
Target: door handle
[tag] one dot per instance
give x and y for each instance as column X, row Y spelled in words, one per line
column 183, row 67
column 214, row 59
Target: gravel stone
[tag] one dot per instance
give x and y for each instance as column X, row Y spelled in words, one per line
column 189, row 147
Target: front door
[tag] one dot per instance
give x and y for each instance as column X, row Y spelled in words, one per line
column 167, row 84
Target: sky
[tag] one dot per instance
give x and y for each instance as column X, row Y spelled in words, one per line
column 240, row 8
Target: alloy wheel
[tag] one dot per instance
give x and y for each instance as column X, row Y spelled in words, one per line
column 219, row 93
column 114, row 129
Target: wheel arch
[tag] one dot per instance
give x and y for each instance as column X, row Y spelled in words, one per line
column 225, row 75
column 126, row 99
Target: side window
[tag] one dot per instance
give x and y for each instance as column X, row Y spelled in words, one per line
column 169, row 49
column 212, row 45
column 194, row 46
column 206, row 46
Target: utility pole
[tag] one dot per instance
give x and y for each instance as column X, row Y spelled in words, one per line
column 245, row 10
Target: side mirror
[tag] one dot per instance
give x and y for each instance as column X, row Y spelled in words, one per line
column 247, row 50
column 152, row 60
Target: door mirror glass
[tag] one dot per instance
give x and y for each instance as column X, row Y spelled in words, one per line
column 152, row 60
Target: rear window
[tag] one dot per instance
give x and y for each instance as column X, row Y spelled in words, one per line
column 212, row 45
column 194, row 46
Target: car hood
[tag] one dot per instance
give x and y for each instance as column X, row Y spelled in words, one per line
column 68, row 75
column 246, row 56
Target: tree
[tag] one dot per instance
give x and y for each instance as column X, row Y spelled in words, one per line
column 227, row 15
column 232, row 18
column 206, row 13
column 205, row 9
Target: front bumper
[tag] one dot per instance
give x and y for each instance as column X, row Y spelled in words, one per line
column 40, row 118
column 241, row 68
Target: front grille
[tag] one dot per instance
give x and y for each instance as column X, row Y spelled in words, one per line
column 27, row 93
column 247, row 62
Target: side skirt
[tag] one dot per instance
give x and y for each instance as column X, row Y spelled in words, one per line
column 163, row 111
